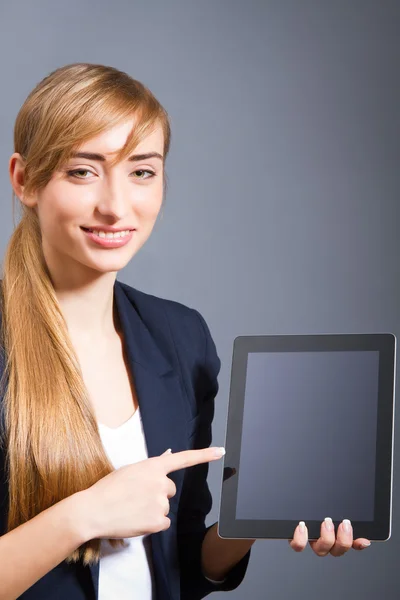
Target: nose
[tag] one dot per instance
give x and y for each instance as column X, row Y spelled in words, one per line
column 113, row 200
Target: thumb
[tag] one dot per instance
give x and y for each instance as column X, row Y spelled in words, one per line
column 169, row 451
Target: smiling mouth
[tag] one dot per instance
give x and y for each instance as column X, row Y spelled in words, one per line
column 104, row 234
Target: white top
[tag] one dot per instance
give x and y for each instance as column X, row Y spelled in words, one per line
column 126, row 573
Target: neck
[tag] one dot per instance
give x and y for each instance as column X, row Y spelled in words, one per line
column 89, row 308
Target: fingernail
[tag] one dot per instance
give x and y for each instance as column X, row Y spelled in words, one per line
column 219, row 451
column 168, row 451
column 365, row 544
column 346, row 525
column 328, row 523
column 302, row 526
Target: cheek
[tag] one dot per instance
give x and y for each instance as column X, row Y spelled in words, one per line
column 150, row 212
column 56, row 213
column 148, row 205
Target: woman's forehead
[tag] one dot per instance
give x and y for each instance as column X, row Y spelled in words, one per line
column 111, row 141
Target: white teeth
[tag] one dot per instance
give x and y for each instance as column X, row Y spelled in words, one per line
column 107, row 234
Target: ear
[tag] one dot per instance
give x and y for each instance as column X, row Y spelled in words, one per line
column 16, row 169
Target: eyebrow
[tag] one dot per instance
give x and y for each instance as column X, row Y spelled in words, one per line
column 133, row 158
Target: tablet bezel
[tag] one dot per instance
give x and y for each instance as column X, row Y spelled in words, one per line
column 377, row 530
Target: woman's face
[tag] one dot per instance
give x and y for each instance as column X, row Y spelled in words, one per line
column 88, row 193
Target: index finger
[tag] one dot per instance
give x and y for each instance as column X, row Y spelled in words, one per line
column 189, row 458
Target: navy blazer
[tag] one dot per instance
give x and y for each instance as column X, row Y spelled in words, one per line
column 174, row 364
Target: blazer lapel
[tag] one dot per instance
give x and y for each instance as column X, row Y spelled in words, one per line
column 162, row 409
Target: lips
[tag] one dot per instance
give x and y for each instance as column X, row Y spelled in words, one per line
column 107, row 241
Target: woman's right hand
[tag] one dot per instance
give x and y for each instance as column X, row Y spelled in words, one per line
column 134, row 499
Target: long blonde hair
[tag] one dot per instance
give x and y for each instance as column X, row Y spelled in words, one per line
column 52, row 442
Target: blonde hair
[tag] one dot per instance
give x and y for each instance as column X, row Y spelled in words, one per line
column 53, row 447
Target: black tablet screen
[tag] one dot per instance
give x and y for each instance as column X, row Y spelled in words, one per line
column 309, row 435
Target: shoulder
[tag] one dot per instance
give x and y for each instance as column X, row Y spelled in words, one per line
column 184, row 324
column 163, row 316
column 156, row 309
column 156, row 302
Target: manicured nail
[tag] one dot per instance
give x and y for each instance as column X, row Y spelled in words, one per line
column 329, row 524
column 219, row 451
column 302, row 526
column 365, row 544
column 346, row 525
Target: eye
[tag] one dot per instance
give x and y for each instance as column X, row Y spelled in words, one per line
column 144, row 171
column 74, row 173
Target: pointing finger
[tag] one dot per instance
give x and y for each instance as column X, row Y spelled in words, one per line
column 189, row 458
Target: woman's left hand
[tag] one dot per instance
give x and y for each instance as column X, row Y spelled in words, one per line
column 328, row 543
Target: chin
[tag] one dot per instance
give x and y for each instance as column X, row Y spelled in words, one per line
column 104, row 266
column 109, row 260
column 110, row 268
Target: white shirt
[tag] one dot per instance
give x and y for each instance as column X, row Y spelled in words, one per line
column 126, row 573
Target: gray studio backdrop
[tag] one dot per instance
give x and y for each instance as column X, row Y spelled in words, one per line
column 282, row 212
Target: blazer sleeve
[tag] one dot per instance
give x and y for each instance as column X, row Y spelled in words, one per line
column 196, row 501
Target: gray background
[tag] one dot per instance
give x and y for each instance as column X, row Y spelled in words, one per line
column 282, row 213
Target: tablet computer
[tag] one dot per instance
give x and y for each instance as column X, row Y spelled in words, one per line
column 309, row 435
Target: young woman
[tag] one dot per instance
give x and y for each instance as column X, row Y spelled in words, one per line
column 107, row 394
